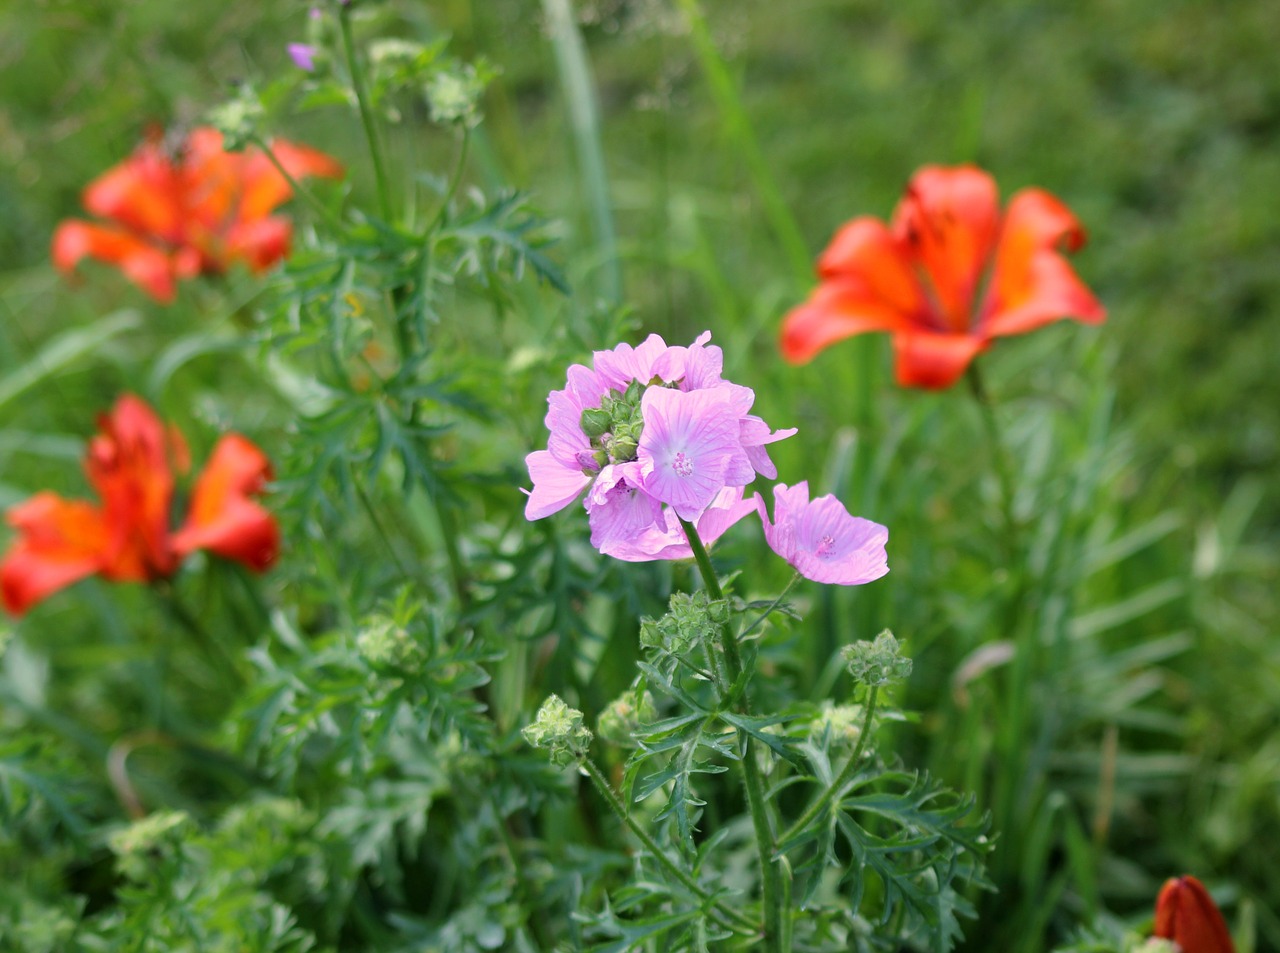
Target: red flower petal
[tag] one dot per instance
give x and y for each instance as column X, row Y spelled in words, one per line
column 947, row 222
column 836, row 310
column 265, row 188
column 1186, row 914
column 259, row 244
column 222, row 517
column 143, row 193
column 129, row 463
column 60, row 541
column 1032, row 284
column 146, row 266
column 934, row 361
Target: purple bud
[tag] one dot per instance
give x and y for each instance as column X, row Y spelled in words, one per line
column 303, row 56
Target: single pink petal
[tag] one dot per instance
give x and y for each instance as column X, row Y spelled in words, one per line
column 555, row 485
column 622, row 365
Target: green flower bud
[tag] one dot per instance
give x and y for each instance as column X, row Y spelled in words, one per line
column 559, row 729
column 238, row 118
column 625, row 715
column 877, row 663
column 596, row 422
column 453, row 95
column 838, row 724
column 162, row 833
column 624, row 449
column 385, row 645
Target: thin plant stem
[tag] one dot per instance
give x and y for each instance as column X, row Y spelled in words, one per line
column 298, row 188
column 770, row 875
column 366, row 112
column 770, row 610
column 372, row 513
column 847, row 772
column 999, row 457
column 727, row 917
column 213, row 649
column 455, row 179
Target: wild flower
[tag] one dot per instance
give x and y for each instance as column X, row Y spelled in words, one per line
column 1187, row 915
column 922, row 276
column 821, row 540
column 650, row 431
column 189, row 209
column 131, row 463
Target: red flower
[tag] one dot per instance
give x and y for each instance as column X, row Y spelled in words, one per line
column 194, row 211
column 1186, row 914
column 131, row 464
column 922, row 276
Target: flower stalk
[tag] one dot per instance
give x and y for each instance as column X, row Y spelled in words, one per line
column 766, row 845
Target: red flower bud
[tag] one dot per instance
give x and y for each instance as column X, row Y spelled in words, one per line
column 1186, row 914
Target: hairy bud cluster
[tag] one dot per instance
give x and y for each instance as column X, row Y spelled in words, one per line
column 385, row 645
column 625, row 715
column 614, row 428
column 559, row 729
column 877, row 663
column 691, row 620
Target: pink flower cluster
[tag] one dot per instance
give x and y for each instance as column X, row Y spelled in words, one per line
column 656, row 436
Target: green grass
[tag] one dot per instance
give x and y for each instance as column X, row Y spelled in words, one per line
column 1137, row 739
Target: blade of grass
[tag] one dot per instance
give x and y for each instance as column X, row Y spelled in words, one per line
column 64, row 350
column 579, row 90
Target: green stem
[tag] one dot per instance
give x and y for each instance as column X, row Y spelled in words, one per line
column 999, row 458
column 298, row 188
column 727, row 917
column 366, row 111
column 847, row 772
column 772, row 606
column 455, row 179
column 770, row 876
column 214, row 649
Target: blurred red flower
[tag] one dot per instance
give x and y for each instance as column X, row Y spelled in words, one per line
column 1186, row 914
column 195, row 209
column 922, row 276
column 131, row 463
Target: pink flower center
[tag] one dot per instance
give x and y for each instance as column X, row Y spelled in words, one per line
column 682, row 464
column 826, row 547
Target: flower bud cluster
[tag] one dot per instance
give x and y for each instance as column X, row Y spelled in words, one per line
column 625, row 715
column 837, row 724
column 614, row 428
column 877, row 663
column 386, row 645
column 560, row 730
column 693, row 619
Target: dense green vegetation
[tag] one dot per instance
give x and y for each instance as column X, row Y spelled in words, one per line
column 1131, row 738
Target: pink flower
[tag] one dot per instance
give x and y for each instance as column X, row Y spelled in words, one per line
column 821, row 540
column 691, row 448
column 665, row 539
column 303, row 56
column 642, row 427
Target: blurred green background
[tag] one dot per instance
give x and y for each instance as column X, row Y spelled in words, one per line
column 1156, row 121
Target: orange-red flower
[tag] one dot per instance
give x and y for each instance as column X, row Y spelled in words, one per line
column 1186, row 914
column 196, row 209
column 945, row 277
column 131, row 463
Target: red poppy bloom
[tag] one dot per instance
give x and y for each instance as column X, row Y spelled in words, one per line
column 945, row 277
column 131, row 463
column 1186, row 914
column 193, row 210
